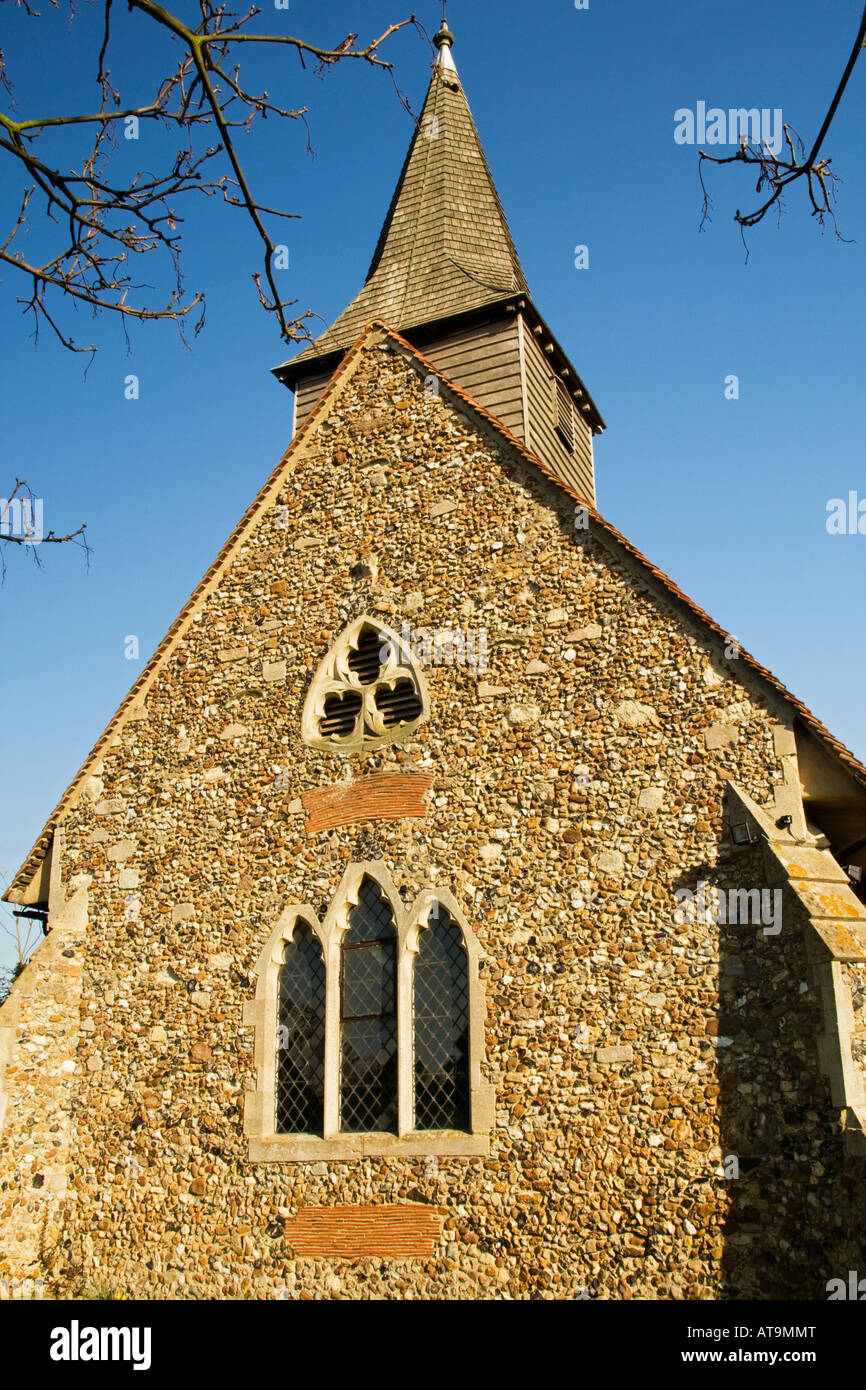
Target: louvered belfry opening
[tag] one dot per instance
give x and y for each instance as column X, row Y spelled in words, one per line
column 441, row 1026
column 340, row 714
column 398, row 705
column 563, row 413
column 368, row 993
column 365, row 659
column 301, row 1036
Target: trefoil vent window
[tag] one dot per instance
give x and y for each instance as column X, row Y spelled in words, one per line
column 368, row 691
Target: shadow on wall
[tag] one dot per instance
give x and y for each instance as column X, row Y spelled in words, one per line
column 796, row 1217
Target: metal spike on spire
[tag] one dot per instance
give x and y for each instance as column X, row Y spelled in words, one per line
column 443, row 41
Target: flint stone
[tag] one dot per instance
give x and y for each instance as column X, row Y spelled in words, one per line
column 651, row 798
column 720, row 736
column 633, row 714
column 607, row 1055
column 519, row 716
column 122, row 850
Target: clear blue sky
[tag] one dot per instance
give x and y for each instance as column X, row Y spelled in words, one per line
column 576, row 112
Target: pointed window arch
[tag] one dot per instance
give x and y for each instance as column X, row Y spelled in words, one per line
column 368, row 1016
column 300, row 1090
column 367, row 692
column 440, row 1025
column 382, row 1010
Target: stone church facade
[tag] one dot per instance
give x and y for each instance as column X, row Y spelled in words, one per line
column 452, row 909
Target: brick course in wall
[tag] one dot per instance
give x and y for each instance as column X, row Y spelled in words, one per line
column 394, row 1232
column 378, row 796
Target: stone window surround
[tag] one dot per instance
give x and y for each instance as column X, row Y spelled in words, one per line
column 265, row 1144
column 333, row 676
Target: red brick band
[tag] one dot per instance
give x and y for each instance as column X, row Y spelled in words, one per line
column 380, row 796
column 404, row 1230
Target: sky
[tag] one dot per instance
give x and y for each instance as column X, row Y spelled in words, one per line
column 728, row 493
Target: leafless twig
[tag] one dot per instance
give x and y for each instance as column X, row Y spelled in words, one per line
column 104, row 223
column 776, row 174
column 21, row 524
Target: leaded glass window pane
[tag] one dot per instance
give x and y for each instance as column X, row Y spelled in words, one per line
column 441, row 1026
column 301, row 1036
column 368, row 1052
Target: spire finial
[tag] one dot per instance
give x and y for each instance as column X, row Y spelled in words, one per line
column 443, row 41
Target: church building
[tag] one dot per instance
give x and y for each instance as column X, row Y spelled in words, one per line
column 452, row 909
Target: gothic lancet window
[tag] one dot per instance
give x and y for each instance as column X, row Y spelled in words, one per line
column 378, row 1015
column 300, row 1092
column 367, row 692
column 440, row 1022
column 368, row 1016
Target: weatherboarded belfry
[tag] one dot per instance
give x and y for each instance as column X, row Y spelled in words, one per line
column 452, row 909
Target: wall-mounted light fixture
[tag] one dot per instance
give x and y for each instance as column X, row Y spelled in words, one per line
column 743, row 834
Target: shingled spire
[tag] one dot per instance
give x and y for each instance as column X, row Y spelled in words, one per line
column 445, row 273
column 445, row 246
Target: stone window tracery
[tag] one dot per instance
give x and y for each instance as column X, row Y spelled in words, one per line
column 369, row 1028
column 367, row 692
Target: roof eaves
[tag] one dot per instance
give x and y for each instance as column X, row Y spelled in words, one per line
column 289, row 372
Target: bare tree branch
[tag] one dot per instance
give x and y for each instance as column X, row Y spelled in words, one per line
column 776, row 174
column 108, row 223
column 21, row 524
